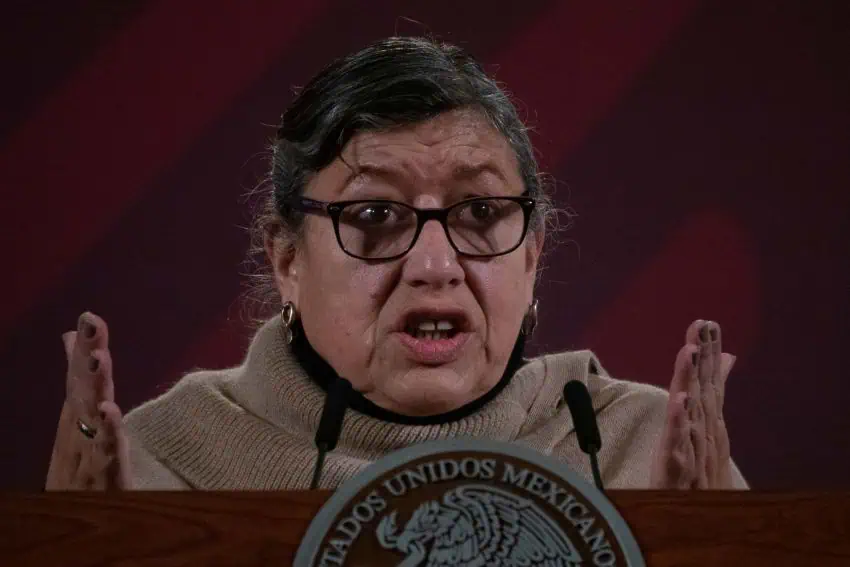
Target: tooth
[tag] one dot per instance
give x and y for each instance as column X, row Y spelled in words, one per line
column 427, row 326
column 444, row 326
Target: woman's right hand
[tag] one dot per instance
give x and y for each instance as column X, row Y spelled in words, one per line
column 91, row 450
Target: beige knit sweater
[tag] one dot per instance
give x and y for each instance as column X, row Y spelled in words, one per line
column 252, row 426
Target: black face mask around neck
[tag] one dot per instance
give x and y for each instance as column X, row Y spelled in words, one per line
column 322, row 374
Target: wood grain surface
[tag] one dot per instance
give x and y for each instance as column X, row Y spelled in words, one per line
column 680, row 529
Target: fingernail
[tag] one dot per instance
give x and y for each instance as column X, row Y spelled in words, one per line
column 88, row 330
column 713, row 333
column 703, row 334
column 94, row 364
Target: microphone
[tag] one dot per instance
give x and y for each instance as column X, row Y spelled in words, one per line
column 587, row 430
column 330, row 424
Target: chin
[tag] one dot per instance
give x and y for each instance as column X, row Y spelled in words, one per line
column 420, row 408
column 420, row 395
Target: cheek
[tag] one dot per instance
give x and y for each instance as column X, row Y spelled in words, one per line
column 342, row 296
column 340, row 299
column 334, row 289
column 499, row 287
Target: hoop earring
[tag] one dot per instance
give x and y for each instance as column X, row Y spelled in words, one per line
column 287, row 317
column 529, row 321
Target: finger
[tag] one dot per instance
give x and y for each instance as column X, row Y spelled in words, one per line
column 686, row 378
column 88, row 474
column 101, row 368
column 85, row 381
column 692, row 334
column 118, row 471
column 727, row 361
column 97, row 455
column 65, row 457
column 722, row 440
column 707, row 466
column 69, row 340
column 723, row 454
column 92, row 332
column 706, row 353
column 683, row 371
column 87, row 388
column 675, row 448
column 688, row 457
column 76, row 447
column 715, row 350
column 700, row 446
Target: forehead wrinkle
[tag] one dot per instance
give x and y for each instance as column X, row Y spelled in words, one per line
column 450, row 147
column 445, row 165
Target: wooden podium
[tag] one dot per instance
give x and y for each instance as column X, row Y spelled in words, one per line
column 727, row 529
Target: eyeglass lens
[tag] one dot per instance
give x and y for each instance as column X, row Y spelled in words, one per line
column 376, row 229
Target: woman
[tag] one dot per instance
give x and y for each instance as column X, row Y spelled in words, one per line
column 405, row 223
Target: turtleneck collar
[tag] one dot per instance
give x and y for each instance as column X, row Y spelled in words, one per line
column 253, row 425
column 322, row 374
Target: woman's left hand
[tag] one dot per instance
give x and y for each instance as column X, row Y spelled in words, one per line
column 694, row 448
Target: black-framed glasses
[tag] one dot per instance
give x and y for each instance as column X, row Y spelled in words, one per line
column 380, row 229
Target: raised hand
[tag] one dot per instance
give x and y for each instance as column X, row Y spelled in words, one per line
column 694, row 448
column 91, row 451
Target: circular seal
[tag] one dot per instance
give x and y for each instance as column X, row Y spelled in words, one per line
column 468, row 502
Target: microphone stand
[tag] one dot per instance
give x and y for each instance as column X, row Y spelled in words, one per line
column 330, row 424
column 594, row 466
column 587, row 430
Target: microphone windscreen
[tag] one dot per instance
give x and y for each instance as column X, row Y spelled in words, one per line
column 581, row 408
column 330, row 423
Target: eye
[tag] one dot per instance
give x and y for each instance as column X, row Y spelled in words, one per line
column 482, row 210
column 373, row 214
column 481, row 213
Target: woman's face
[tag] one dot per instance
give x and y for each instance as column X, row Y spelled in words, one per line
column 358, row 315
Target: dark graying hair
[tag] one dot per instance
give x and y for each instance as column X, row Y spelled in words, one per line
column 394, row 82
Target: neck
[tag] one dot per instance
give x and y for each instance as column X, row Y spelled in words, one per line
column 322, row 374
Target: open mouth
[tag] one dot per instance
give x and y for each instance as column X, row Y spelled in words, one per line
column 432, row 329
column 434, row 336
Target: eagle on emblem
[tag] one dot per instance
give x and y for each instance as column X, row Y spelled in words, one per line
column 476, row 526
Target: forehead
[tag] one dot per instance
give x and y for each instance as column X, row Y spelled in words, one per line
column 451, row 145
column 460, row 135
column 443, row 146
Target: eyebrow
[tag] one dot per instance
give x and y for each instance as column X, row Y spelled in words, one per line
column 470, row 171
column 386, row 172
column 460, row 171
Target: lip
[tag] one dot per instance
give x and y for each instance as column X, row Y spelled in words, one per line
column 433, row 351
column 434, row 313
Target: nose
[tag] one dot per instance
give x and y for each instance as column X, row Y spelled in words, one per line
column 432, row 262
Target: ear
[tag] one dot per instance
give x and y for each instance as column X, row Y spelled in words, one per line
column 533, row 252
column 283, row 259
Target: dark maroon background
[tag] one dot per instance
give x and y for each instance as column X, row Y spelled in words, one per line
column 704, row 146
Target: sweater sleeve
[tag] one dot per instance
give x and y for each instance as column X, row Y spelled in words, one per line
column 148, row 473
